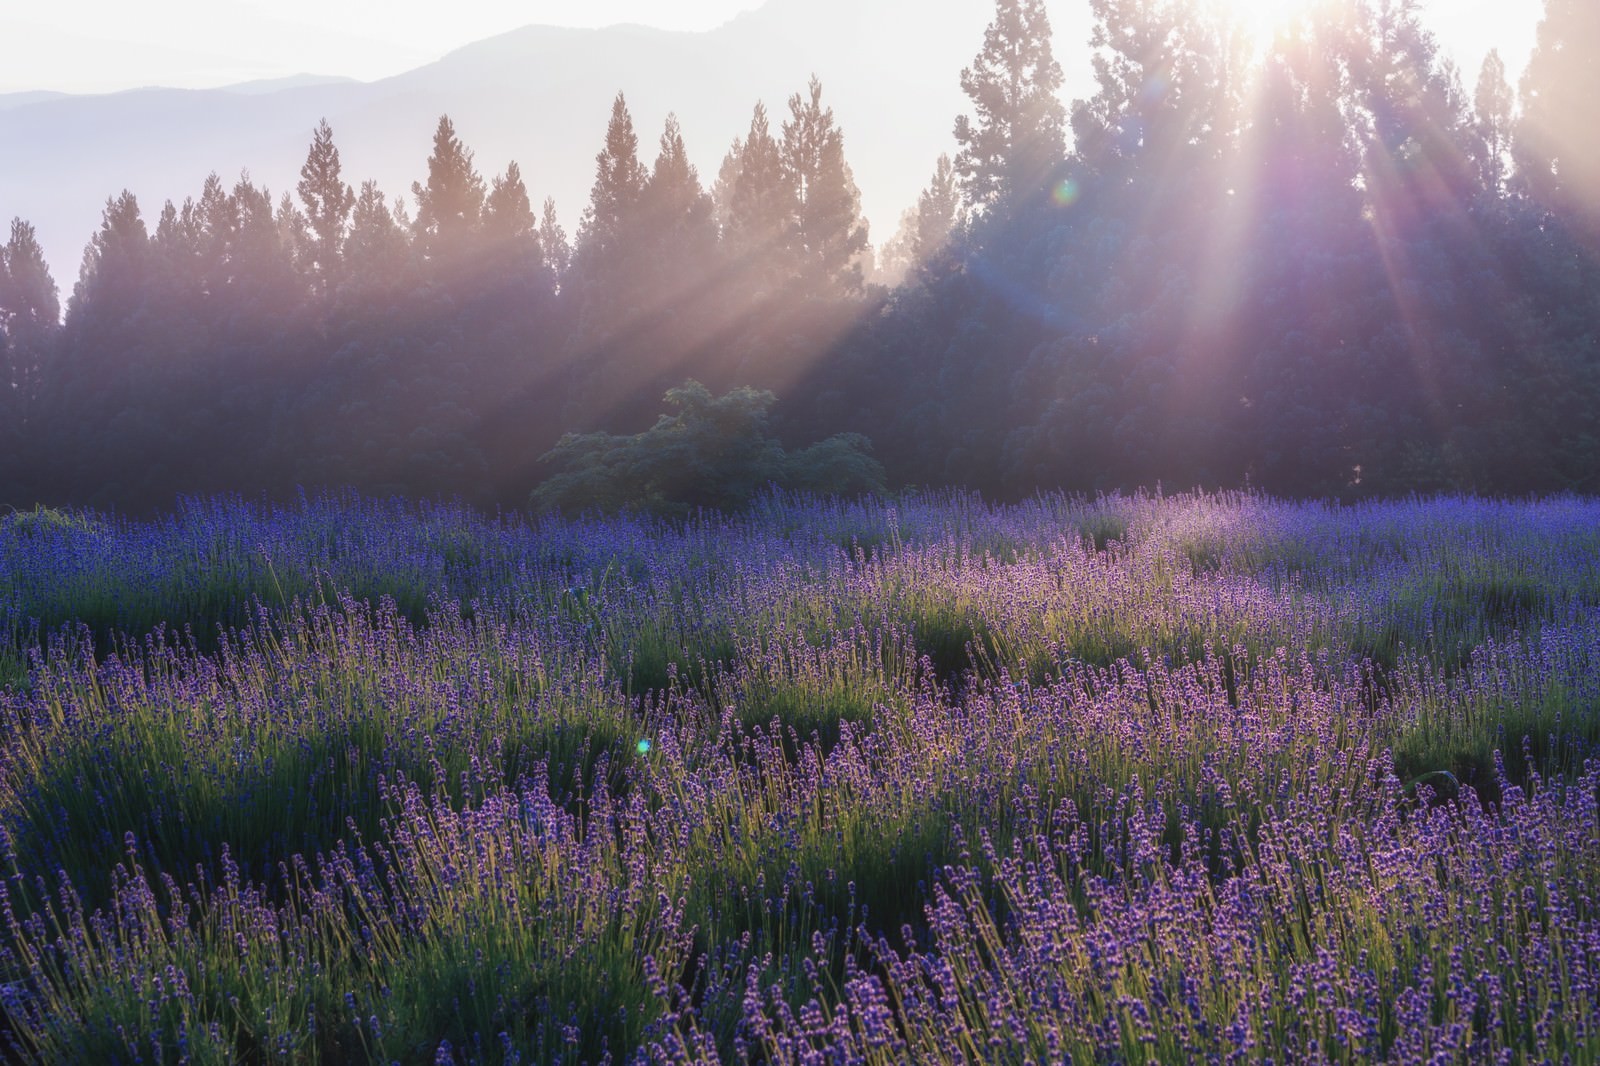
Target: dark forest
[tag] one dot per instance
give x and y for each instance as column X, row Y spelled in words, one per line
column 1321, row 266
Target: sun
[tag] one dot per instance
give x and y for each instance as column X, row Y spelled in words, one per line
column 1261, row 22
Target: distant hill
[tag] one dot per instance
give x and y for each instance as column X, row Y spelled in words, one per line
column 11, row 100
column 293, row 81
column 539, row 95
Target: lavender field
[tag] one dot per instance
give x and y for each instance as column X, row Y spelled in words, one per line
column 1198, row 778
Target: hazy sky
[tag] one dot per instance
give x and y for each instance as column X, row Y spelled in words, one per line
column 106, row 45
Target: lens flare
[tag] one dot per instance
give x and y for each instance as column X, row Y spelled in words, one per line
column 1065, row 194
column 644, row 747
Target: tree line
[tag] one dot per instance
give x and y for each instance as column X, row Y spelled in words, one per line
column 1315, row 263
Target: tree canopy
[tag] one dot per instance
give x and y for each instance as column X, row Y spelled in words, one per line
column 1314, row 263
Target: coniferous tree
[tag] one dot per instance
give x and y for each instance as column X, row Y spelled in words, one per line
column 1160, row 107
column 938, row 213
column 262, row 267
column 675, row 200
column 553, row 240
column 1322, row 275
column 175, row 247
column 756, row 206
column 511, row 230
column 680, row 229
column 1410, row 113
column 606, row 278
column 113, row 266
column 7, row 300
column 29, row 303
column 1557, row 151
column 376, row 250
column 327, row 202
column 95, row 383
column 30, row 314
column 508, row 213
column 294, row 231
column 926, row 228
column 1493, row 104
column 610, row 221
column 830, row 234
column 217, row 215
column 450, row 205
column 896, row 259
column 1016, row 139
column 1290, row 364
column 680, row 285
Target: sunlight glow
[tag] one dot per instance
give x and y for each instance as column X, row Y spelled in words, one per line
column 1260, row 22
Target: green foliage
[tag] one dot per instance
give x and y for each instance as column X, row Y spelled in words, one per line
column 42, row 520
column 713, row 453
column 1472, row 732
column 1100, row 528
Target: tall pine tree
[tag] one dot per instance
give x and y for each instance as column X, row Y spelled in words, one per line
column 450, row 205
column 606, row 280
column 29, row 304
column 678, row 217
column 112, row 275
column 1410, row 113
column 611, row 220
column 514, row 263
column 938, row 214
column 327, row 202
column 507, row 211
column 756, row 205
column 377, row 250
column 30, row 313
column 830, row 234
column 217, row 216
column 1013, row 144
column 553, row 240
column 1493, row 106
column 926, row 230
column 1160, row 109
column 1557, row 150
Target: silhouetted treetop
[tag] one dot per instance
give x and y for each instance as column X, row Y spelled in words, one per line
column 1015, row 139
column 450, row 205
column 327, row 202
column 1557, row 149
column 830, row 234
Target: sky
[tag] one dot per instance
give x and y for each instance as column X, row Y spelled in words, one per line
column 85, row 46
column 106, row 45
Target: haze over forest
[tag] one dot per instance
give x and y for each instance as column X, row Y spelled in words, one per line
column 540, row 95
column 1327, row 263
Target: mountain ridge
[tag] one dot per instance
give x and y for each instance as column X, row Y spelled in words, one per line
column 538, row 94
